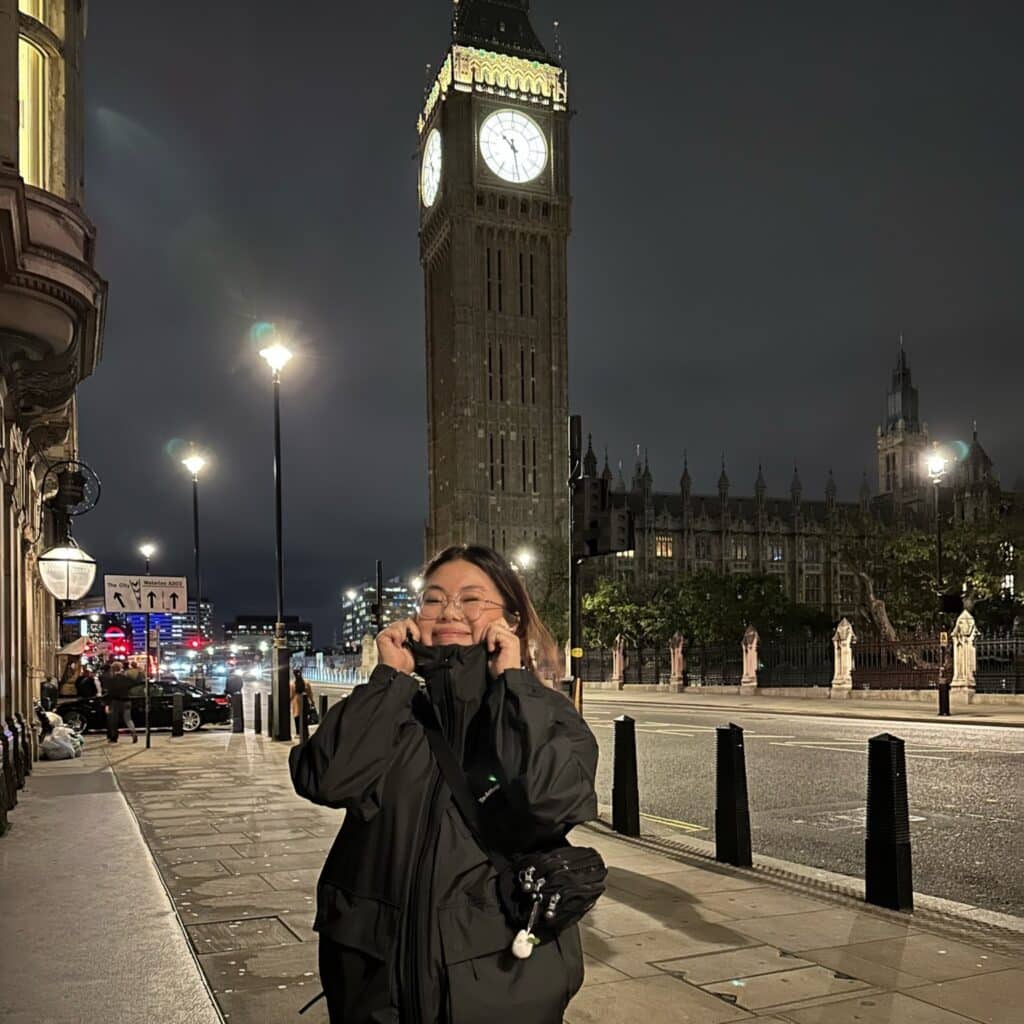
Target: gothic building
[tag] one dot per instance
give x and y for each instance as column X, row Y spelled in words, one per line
column 52, row 305
column 494, row 227
column 796, row 537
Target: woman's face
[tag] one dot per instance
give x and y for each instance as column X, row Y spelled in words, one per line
column 470, row 584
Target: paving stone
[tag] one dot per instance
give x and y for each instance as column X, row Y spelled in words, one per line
column 643, row 915
column 231, row 885
column 201, row 842
column 239, row 934
column 877, row 1008
column 634, row 954
column 835, row 927
column 739, row 963
column 688, row 881
column 991, row 998
column 188, row 872
column 282, row 862
column 261, row 1006
column 304, row 879
column 192, row 855
column 928, row 957
column 765, row 901
column 285, row 905
column 597, row 973
column 308, row 844
column 662, row 1000
column 265, row 967
column 784, row 987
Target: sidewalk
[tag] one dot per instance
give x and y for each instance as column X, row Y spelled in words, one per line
column 706, row 698
column 677, row 938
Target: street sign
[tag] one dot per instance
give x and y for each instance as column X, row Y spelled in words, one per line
column 145, row 594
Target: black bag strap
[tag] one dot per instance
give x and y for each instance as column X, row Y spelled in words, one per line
column 454, row 776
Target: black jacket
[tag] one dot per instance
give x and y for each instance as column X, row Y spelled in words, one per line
column 406, row 889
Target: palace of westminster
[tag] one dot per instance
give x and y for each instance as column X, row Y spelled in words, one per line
column 495, row 218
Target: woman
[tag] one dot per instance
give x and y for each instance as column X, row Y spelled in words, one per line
column 300, row 691
column 411, row 930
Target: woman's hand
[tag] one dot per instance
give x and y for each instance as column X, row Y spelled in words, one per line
column 503, row 647
column 391, row 645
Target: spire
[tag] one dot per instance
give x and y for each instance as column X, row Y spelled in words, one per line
column 902, row 405
column 606, row 473
column 638, row 471
column 502, row 26
column 760, row 487
column 723, row 484
column 684, row 481
column 830, row 490
column 590, row 459
column 796, row 489
column 620, row 482
column 647, row 469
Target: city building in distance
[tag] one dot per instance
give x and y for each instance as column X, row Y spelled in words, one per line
column 254, row 634
column 175, row 630
column 357, row 610
column 494, row 228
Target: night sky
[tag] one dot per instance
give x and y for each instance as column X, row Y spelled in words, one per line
column 765, row 197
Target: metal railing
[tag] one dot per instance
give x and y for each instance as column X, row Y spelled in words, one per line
column 1000, row 664
column 795, row 663
column 713, row 664
column 899, row 664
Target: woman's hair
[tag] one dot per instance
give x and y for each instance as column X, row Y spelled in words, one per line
column 300, row 683
column 540, row 652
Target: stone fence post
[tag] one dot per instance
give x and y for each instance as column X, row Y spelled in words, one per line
column 677, row 658
column 965, row 659
column 842, row 644
column 748, row 683
column 619, row 660
column 369, row 660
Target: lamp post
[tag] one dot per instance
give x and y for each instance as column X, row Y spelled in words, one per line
column 277, row 356
column 194, row 463
column 937, row 470
column 147, row 551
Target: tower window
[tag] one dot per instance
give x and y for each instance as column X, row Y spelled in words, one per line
column 503, row 463
column 534, row 474
column 522, row 285
column 490, row 447
column 776, row 551
column 740, row 550
column 501, row 373
column 663, row 545
column 522, row 375
column 524, row 467
column 533, row 305
column 812, row 588
column 490, row 373
column 499, row 282
column 533, row 376
column 32, row 113
column 490, row 279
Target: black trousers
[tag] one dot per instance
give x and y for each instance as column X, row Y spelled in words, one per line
column 356, row 986
column 120, row 711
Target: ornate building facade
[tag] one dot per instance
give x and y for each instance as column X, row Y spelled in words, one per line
column 52, row 305
column 798, row 536
column 494, row 227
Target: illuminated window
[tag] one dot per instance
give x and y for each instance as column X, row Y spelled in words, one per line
column 663, row 545
column 740, row 549
column 32, row 113
column 776, row 551
column 624, row 554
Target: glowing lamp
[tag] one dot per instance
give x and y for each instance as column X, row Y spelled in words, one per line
column 417, row 584
column 276, row 356
column 147, row 550
column 194, row 464
column 936, row 465
column 67, row 571
column 525, row 557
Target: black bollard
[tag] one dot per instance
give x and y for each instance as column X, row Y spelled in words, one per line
column 257, row 715
column 888, row 877
column 943, row 700
column 304, row 721
column 26, row 741
column 237, row 713
column 177, row 708
column 9, row 780
column 625, row 787
column 17, row 752
column 323, row 706
column 270, row 714
column 732, row 808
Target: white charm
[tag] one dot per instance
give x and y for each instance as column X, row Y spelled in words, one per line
column 522, row 946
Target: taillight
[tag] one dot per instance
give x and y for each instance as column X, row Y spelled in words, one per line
column 222, row 701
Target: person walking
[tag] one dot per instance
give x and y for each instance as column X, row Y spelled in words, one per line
column 301, row 692
column 116, row 687
column 410, row 925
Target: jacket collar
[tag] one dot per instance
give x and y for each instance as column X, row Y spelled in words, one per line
column 466, row 667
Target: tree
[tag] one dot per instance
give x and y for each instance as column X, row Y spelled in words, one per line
column 548, row 583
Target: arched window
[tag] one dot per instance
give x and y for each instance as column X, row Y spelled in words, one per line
column 32, row 112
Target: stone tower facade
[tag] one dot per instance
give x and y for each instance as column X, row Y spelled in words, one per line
column 494, row 227
column 902, row 445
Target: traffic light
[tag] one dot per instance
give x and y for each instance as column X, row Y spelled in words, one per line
column 195, row 643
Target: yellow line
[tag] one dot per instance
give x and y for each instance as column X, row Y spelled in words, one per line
column 687, row 826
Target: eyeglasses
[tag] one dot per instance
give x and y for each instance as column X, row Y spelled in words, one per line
column 431, row 605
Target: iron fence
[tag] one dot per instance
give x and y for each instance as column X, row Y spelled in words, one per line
column 713, row 664
column 596, row 664
column 795, row 663
column 647, row 664
column 900, row 664
column 1000, row 664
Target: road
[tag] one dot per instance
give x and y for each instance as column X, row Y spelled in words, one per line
column 807, row 779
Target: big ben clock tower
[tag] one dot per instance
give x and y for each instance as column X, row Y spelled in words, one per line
column 494, row 226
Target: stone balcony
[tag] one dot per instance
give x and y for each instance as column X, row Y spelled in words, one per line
column 52, row 307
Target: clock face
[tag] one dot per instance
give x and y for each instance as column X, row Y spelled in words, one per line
column 430, row 173
column 513, row 146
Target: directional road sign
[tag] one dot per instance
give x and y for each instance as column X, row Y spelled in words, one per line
column 145, row 594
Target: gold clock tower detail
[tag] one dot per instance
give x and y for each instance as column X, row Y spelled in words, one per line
column 494, row 228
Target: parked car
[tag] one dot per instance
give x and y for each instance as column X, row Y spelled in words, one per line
column 199, row 708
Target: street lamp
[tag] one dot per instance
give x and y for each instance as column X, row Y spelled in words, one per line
column 147, row 551
column 277, row 357
column 194, row 463
column 416, row 583
column 936, row 464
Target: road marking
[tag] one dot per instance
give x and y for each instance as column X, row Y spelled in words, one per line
column 686, row 826
column 859, row 749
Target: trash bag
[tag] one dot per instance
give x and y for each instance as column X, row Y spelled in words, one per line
column 58, row 748
column 62, row 732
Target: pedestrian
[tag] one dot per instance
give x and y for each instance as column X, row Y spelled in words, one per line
column 85, row 685
column 301, row 692
column 410, row 925
column 116, row 687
